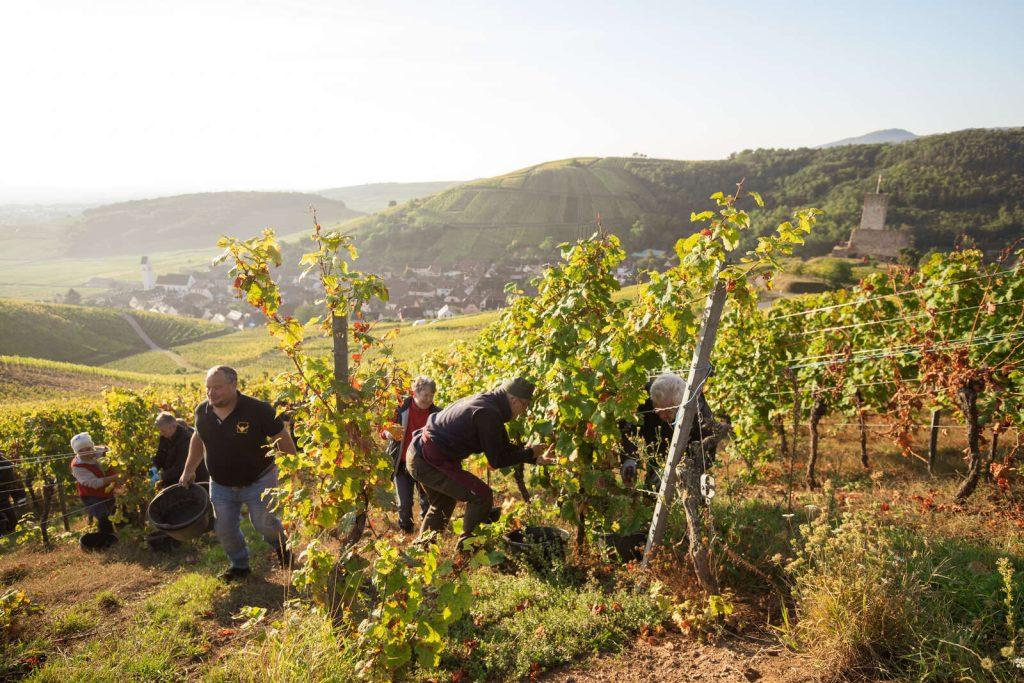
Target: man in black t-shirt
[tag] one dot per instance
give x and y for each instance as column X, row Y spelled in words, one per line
column 239, row 435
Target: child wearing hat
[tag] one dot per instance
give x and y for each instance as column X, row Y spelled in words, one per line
column 95, row 483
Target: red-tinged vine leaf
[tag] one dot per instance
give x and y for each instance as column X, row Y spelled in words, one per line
column 597, row 608
column 535, row 671
column 226, row 632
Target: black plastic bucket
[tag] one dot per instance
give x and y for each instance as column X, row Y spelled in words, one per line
column 160, row 542
column 182, row 512
column 628, row 547
column 96, row 540
column 541, row 547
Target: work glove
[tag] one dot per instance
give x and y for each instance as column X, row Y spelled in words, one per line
column 628, row 471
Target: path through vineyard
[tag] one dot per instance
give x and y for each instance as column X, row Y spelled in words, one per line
column 153, row 345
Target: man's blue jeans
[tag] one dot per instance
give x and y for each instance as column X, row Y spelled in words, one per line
column 227, row 509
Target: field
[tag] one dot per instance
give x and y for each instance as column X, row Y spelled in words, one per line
column 34, row 265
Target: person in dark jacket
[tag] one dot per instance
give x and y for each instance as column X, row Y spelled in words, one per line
column 172, row 450
column 475, row 424
column 12, row 495
column 410, row 417
column 653, row 430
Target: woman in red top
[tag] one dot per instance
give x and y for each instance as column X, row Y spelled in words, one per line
column 410, row 416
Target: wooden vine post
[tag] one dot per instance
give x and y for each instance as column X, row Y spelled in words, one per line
column 693, row 465
column 339, row 332
column 862, row 423
column 933, row 440
column 47, row 504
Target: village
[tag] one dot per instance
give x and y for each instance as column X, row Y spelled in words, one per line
column 417, row 294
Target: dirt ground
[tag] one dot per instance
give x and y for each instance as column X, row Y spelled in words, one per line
column 680, row 658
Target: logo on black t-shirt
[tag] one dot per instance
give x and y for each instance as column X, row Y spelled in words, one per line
column 242, row 427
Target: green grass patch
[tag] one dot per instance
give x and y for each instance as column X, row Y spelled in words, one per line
column 521, row 622
column 163, row 638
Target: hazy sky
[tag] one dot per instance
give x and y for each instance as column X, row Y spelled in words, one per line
column 108, row 98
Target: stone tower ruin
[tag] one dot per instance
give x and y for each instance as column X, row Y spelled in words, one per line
column 872, row 237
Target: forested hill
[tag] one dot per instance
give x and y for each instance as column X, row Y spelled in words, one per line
column 195, row 220
column 942, row 187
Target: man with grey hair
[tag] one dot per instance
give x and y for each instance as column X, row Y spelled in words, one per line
column 172, row 450
column 238, row 435
column 652, row 431
column 410, row 417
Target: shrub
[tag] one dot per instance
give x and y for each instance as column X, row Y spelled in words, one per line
column 857, row 595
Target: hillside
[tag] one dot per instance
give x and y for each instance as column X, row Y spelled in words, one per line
column 24, row 381
column 88, row 335
column 942, row 187
column 378, row 196
column 889, row 135
column 195, row 220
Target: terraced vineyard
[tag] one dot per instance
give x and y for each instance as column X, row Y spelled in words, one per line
column 89, row 335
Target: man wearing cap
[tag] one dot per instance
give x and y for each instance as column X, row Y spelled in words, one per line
column 655, row 423
column 238, row 435
column 172, row 450
column 475, row 424
column 95, row 483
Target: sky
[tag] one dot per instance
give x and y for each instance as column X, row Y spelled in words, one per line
column 114, row 99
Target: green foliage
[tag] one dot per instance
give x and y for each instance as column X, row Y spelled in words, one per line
column 132, row 438
column 591, row 352
column 341, row 469
column 14, row 606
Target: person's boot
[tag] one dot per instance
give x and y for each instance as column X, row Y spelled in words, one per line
column 235, row 574
column 284, row 557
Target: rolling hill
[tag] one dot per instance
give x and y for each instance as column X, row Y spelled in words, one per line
column 195, row 220
column 377, row 196
column 89, row 335
column 889, row 135
column 942, row 186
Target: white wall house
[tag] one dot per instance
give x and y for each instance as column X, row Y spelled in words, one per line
column 176, row 282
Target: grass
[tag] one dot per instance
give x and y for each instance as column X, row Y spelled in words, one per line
column 159, row 641
column 885, row 600
column 523, row 623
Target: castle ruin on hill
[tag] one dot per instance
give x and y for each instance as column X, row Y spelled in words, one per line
column 872, row 237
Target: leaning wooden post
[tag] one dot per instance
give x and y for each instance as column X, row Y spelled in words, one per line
column 700, row 368
column 933, row 441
